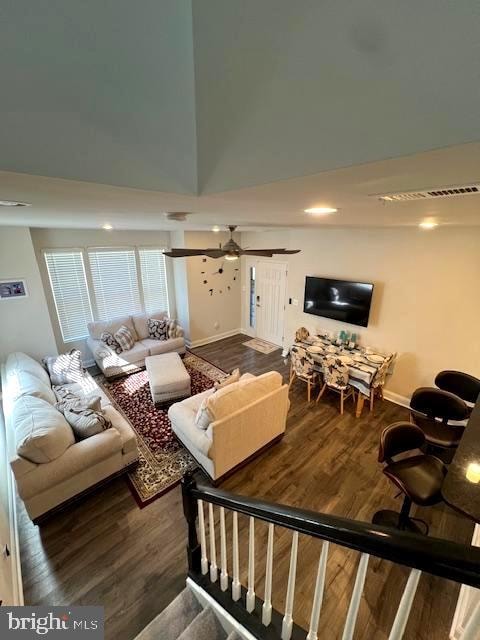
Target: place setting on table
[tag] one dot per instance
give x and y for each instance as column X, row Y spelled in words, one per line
column 363, row 362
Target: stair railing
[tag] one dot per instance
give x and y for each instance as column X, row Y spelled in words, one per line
column 422, row 554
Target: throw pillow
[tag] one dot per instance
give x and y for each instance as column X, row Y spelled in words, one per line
column 158, row 329
column 124, row 338
column 110, row 341
column 65, row 368
column 203, row 417
column 233, row 377
column 171, row 328
column 84, row 416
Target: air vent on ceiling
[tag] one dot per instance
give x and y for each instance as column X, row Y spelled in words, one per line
column 442, row 192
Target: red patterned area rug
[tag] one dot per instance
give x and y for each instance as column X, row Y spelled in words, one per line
column 163, row 460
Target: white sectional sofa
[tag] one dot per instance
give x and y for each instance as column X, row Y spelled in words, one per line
column 63, row 468
column 245, row 417
column 113, row 364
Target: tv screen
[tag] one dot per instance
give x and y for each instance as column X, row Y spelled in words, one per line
column 338, row 299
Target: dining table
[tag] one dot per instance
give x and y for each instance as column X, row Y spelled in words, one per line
column 363, row 363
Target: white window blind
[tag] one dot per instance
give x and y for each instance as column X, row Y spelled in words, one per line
column 70, row 292
column 115, row 282
column 154, row 280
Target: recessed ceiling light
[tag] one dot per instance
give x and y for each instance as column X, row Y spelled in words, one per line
column 107, row 226
column 13, row 203
column 320, row 211
column 216, row 229
column 428, row 224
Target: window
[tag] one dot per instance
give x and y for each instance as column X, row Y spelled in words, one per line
column 154, row 279
column 105, row 283
column 115, row 282
column 70, row 293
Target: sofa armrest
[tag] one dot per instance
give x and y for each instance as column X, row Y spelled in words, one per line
column 21, row 466
column 99, row 349
column 127, row 434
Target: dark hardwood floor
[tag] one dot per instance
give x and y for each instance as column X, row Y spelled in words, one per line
column 105, row 550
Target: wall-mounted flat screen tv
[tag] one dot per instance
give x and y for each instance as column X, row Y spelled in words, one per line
column 338, row 299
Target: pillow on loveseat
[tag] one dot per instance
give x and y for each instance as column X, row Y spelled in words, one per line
column 158, row 329
column 42, row 433
column 110, row 341
column 125, row 338
column 65, row 368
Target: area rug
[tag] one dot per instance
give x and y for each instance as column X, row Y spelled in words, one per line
column 260, row 345
column 163, row 460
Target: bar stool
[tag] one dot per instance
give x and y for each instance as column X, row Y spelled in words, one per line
column 419, row 477
column 432, row 409
column 463, row 385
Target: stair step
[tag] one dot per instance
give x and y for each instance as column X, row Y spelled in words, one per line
column 204, row 627
column 174, row 619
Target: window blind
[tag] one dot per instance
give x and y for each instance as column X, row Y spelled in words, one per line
column 154, row 280
column 115, row 282
column 70, row 292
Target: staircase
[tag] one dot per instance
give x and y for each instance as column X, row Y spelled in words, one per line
column 186, row 619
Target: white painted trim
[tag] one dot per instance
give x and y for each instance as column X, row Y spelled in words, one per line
column 228, row 622
column 403, row 401
column 219, row 336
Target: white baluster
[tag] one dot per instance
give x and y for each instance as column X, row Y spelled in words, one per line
column 287, row 623
column 267, row 604
column 223, row 552
column 405, row 605
column 473, row 625
column 236, row 587
column 213, row 552
column 251, row 567
column 203, row 541
column 355, row 599
column 318, row 596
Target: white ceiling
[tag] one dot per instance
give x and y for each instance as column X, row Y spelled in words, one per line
column 72, row 204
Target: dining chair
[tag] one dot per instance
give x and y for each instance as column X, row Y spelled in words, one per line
column 301, row 367
column 380, row 378
column 335, row 377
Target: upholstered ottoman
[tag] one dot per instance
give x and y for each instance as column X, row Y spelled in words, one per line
column 168, row 377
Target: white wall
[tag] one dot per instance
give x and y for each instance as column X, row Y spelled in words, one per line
column 426, row 301
column 24, row 323
column 80, row 238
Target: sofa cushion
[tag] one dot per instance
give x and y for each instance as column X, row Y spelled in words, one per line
column 95, row 329
column 238, row 395
column 124, row 338
column 22, row 383
column 157, row 329
column 137, row 354
column 183, row 424
column 19, row 361
column 65, row 368
column 140, row 322
column 42, row 433
column 156, row 347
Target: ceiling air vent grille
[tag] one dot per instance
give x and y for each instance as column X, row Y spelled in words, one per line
column 442, row 192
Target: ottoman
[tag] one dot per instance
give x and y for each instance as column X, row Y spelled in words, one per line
column 168, row 377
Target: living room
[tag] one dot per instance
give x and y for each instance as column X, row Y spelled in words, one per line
column 181, row 296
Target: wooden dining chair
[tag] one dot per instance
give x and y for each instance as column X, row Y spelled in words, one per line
column 335, row 377
column 301, row 367
column 380, row 378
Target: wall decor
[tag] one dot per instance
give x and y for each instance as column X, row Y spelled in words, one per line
column 226, row 275
column 13, row 289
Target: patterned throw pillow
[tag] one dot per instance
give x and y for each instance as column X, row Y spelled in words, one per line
column 65, row 368
column 158, row 329
column 84, row 416
column 110, row 341
column 171, row 328
column 124, row 338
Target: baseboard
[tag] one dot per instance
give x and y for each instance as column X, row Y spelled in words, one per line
column 396, row 398
column 218, row 336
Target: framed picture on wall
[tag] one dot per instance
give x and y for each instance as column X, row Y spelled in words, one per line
column 13, row 289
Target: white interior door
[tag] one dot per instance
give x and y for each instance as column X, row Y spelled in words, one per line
column 271, row 288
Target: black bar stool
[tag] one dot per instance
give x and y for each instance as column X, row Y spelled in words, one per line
column 463, row 385
column 419, row 476
column 432, row 409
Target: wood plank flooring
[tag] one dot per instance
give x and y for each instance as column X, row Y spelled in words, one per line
column 105, row 550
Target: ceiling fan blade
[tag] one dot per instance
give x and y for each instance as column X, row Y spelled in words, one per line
column 269, row 252
column 186, row 253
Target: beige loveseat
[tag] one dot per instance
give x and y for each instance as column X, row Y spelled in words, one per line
column 49, row 466
column 246, row 416
column 113, row 364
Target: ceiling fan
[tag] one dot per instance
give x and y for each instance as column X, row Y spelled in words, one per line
column 230, row 250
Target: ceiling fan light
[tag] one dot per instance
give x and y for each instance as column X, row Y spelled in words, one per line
column 231, row 256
